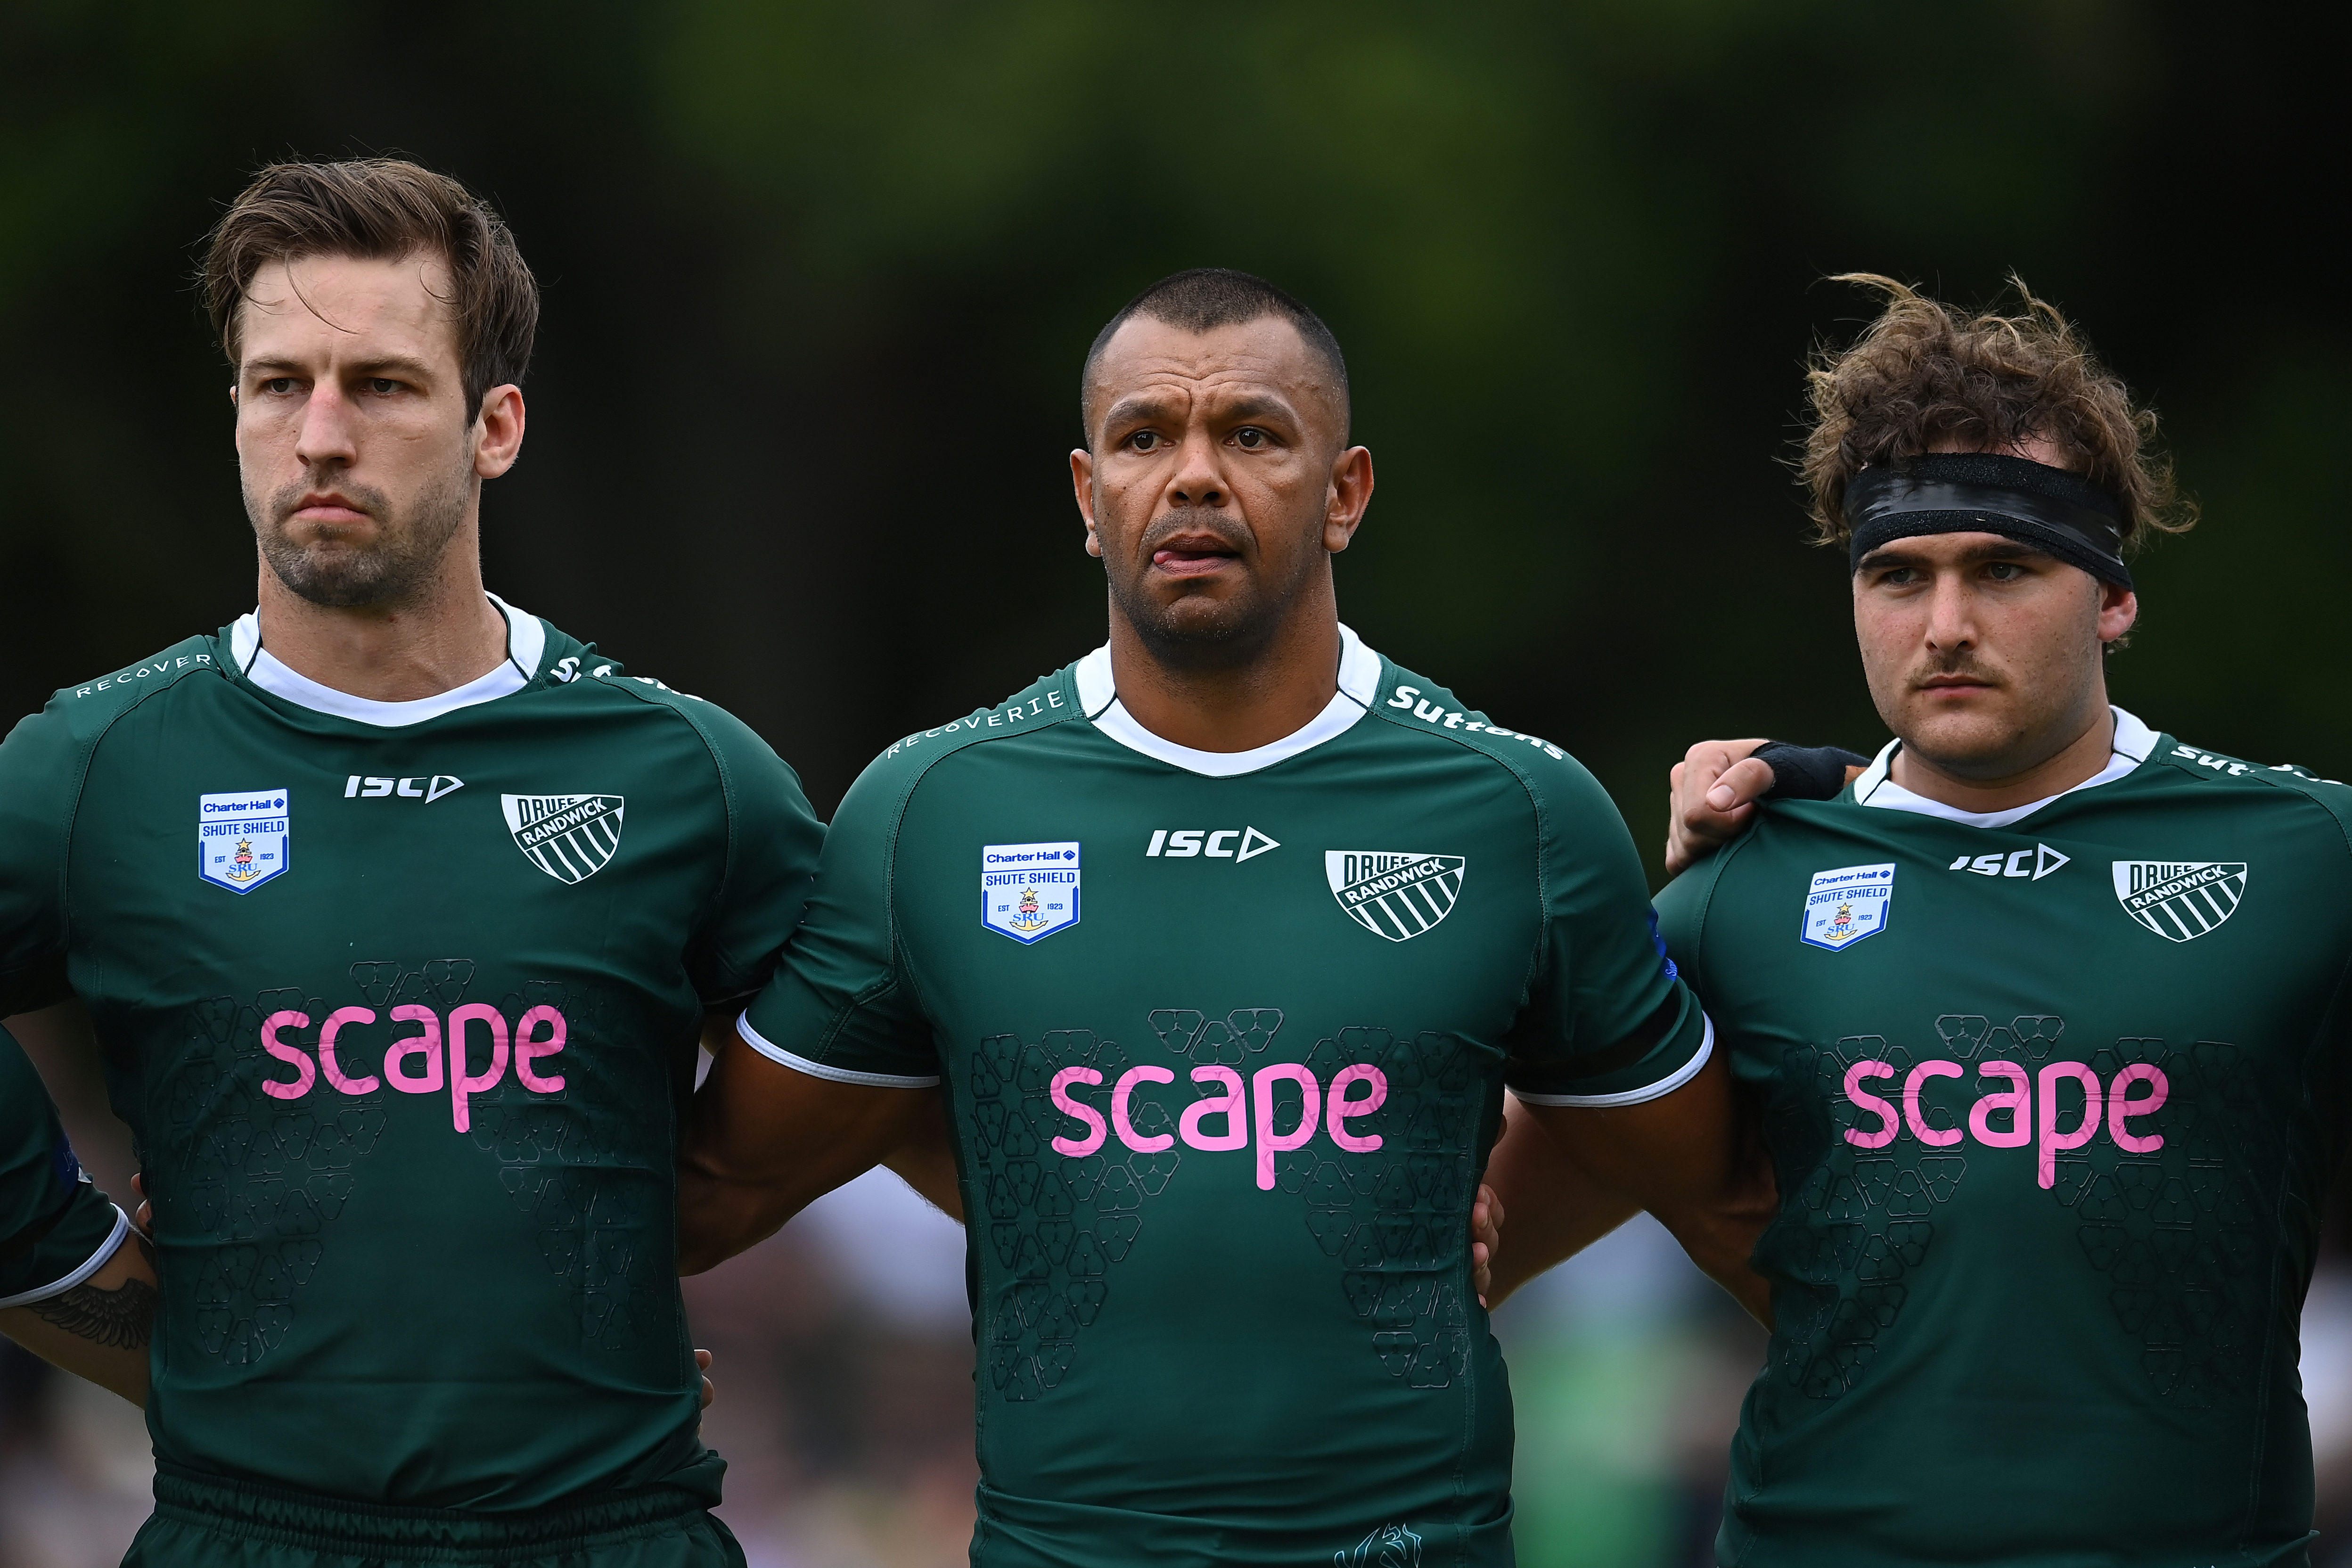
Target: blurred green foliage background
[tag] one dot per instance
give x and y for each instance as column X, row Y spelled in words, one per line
column 819, row 277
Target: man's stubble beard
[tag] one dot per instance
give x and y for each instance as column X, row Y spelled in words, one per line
column 337, row 574
column 1237, row 628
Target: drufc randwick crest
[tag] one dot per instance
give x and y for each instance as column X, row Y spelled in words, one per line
column 1393, row 893
column 2180, row 900
column 569, row 837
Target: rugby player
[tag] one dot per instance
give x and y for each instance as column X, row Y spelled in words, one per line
column 71, row 1291
column 2043, row 1013
column 1223, row 941
column 406, row 1102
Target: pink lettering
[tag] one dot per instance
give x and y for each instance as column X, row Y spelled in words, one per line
column 460, row 1083
column 529, row 1045
column 305, row 1075
column 1342, row 1108
column 1914, row 1118
column 426, row 1044
column 2121, row 1107
column 327, row 1062
column 1119, row 1103
column 1232, row 1105
column 2052, row 1139
column 1078, row 1110
column 1269, row 1141
column 2018, row 1102
column 1888, row 1126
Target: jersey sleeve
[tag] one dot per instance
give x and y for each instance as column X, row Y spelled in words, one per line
column 1608, row 1020
column 56, row 1228
column 840, row 1007
column 774, row 838
column 39, row 766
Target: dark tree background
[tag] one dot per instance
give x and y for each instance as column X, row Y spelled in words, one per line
column 818, row 279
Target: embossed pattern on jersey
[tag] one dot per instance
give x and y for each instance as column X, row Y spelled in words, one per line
column 1391, row 1216
column 1056, row 1224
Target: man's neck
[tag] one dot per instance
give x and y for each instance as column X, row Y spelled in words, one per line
column 2082, row 759
column 1236, row 707
column 448, row 635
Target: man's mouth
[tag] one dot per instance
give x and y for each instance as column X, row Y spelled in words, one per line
column 328, row 508
column 1954, row 687
column 1192, row 560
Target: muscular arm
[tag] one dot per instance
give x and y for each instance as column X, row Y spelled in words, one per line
column 99, row 1329
column 763, row 1140
column 1568, row 1175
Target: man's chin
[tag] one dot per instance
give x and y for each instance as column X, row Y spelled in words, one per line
column 1980, row 744
column 337, row 580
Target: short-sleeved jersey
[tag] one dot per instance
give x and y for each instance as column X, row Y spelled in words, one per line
column 2054, row 1095
column 1224, row 1037
column 405, row 1096
column 56, row 1228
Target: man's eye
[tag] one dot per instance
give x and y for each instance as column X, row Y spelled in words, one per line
column 382, row 386
column 2004, row 571
column 1143, row 441
column 1249, row 438
column 278, row 384
column 1900, row 577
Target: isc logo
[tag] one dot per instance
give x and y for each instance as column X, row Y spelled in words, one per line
column 421, row 787
column 1216, row 843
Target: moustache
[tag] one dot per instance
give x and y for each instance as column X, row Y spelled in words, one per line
column 1227, row 532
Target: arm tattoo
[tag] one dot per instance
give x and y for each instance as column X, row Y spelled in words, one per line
column 122, row 1318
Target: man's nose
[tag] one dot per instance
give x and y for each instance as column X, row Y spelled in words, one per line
column 1951, row 613
column 1198, row 478
column 326, row 434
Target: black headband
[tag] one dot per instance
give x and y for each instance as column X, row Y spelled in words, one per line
column 2058, row 513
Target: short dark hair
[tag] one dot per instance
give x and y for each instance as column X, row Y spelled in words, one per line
column 1203, row 299
column 381, row 209
column 1923, row 370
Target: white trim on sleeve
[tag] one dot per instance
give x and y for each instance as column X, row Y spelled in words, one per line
column 1658, row 1090
column 776, row 1052
column 97, row 1261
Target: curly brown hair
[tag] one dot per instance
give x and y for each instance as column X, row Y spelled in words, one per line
column 382, row 209
column 1923, row 372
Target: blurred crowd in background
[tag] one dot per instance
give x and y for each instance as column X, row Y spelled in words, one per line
column 818, row 277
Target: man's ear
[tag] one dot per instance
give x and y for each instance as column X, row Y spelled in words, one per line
column 1082, row 483
column 2118, row 612
column 1349, row 494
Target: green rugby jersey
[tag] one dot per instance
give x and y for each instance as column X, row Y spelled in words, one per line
column 2054, row 1096
column 406, row 1097
column 1225, row 1036
column 56, row 1228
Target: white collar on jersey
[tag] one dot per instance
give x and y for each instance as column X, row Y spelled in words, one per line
column 526, row 643
column 2134, row 741
column 1359, row 682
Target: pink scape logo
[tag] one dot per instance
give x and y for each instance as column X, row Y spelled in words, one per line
column 435, row 1057
column 2028, row 1110
column 1354, row 1091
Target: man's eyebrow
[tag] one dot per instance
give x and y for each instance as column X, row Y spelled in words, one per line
column 1256, row 405
column 1139, row 405
column 384, row 365
column 1892, row 555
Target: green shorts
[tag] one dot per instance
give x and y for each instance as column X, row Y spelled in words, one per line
column 208, row 1524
